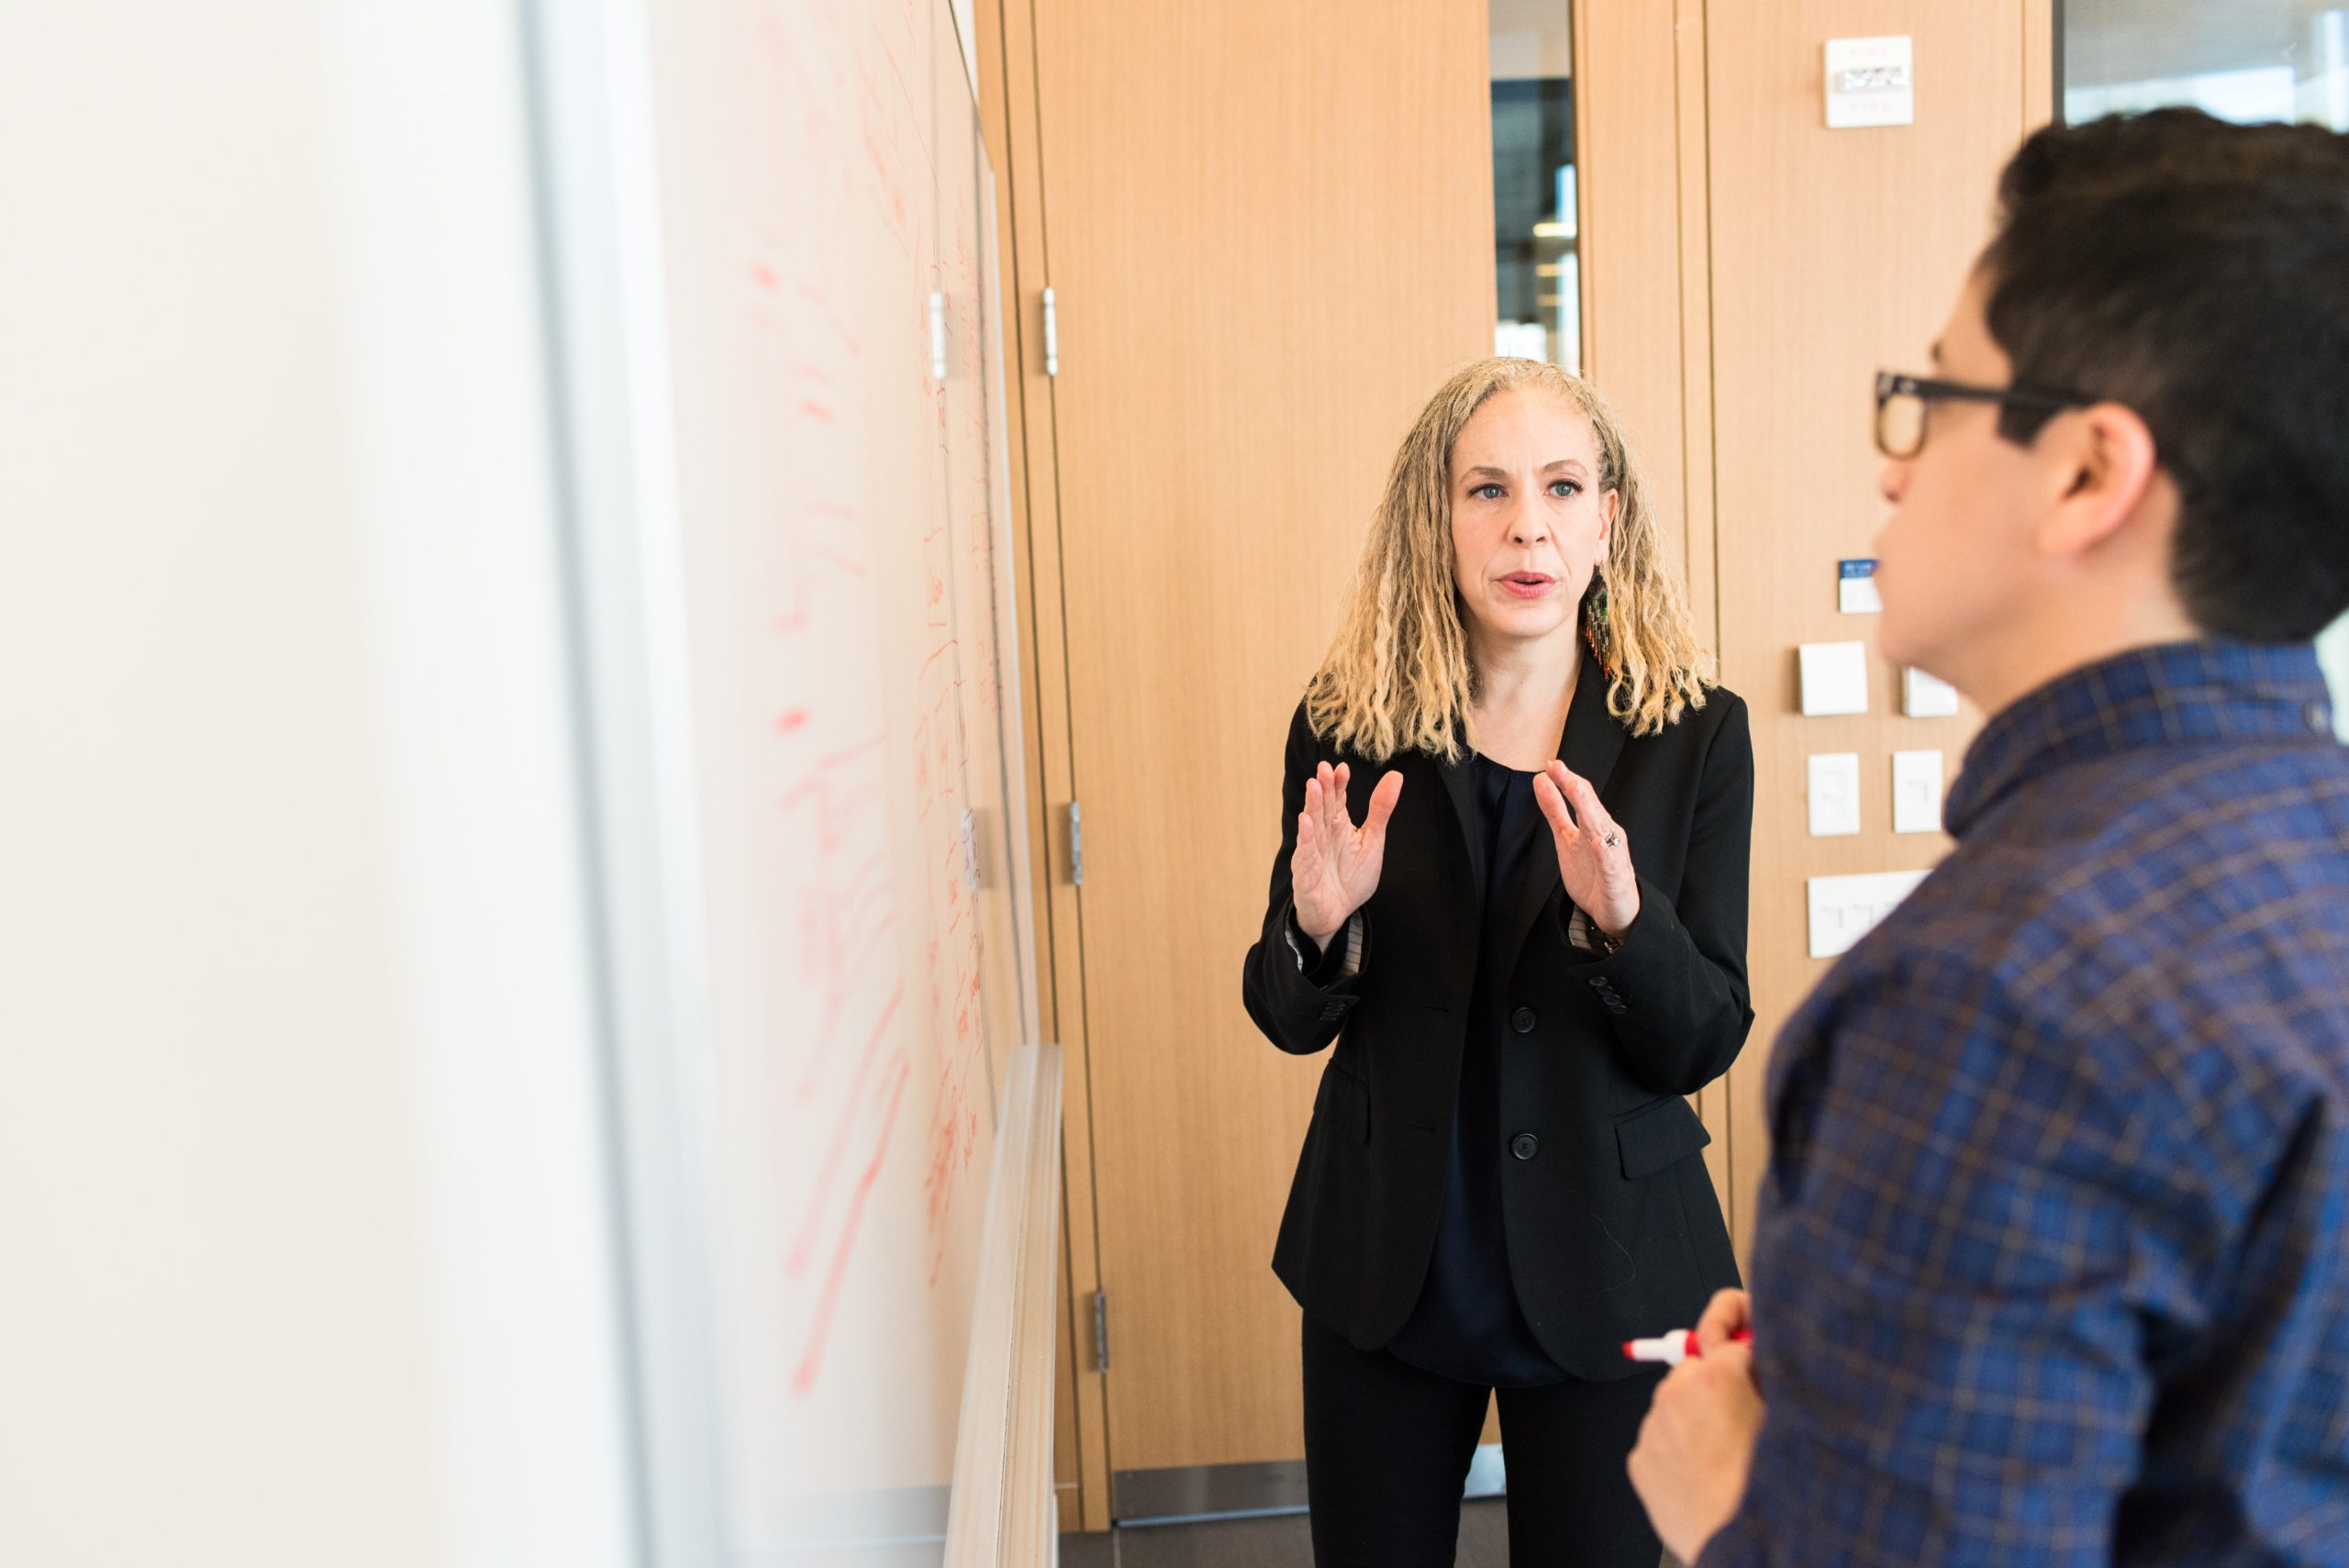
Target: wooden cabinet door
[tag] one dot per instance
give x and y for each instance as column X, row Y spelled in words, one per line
column 1268, row 230
column 1834, row 252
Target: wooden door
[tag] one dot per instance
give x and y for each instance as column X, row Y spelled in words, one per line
column 1834, row 252
column 1268, row 230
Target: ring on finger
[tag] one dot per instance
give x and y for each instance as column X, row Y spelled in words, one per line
column 1613, row 838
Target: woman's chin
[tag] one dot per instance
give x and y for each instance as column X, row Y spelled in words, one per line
column 1527, row 620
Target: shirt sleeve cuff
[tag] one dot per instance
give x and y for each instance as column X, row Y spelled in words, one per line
column 1583, row 935
column 1340, row 960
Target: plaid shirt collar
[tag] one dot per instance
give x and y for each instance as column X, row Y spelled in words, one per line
column 2147, row 697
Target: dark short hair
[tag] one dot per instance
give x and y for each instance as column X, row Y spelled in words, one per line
column 2198, row 272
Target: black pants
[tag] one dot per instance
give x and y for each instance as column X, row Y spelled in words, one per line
column 1388, row 1447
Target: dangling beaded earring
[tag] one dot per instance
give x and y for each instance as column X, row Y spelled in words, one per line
column 1596, row 630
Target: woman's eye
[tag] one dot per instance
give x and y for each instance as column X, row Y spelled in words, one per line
column 1487, row 491
column 1563, row 487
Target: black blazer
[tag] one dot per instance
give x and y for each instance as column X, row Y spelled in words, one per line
column 1612, row 1225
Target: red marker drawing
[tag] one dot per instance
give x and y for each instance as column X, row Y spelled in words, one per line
column 1675, row 1347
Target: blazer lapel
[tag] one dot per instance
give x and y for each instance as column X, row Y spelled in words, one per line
column 1594, row 737
column 1460, row 783
column 1592, row 741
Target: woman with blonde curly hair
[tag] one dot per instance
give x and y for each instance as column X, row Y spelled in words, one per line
column 1531, row 947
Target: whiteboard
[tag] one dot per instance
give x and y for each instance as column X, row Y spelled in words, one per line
column 770, row 240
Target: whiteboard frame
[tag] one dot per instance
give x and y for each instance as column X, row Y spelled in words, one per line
column 608, row 375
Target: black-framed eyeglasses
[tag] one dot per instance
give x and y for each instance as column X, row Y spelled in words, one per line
column 1901, row 401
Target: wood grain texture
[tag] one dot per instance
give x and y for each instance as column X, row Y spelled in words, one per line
column 1833, row 253
column 1640, row 109
column 1627, row 176
column 1008, row 112
column 1270, row 229
column 2039, row 87
column 1627, row 146
column 1697, row 438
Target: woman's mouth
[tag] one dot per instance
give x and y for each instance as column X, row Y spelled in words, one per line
column 1528, row 584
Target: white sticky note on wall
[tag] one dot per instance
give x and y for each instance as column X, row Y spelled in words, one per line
column 1834, row 786
column 1870, row 81
column 1916, row 792
column 1845, row 908
column 1856, row 590
column 1834, row 678
column 1927, row 697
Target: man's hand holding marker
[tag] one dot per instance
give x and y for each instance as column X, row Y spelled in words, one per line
column 1697, row 1443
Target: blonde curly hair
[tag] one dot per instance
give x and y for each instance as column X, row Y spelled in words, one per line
column 1397, row 676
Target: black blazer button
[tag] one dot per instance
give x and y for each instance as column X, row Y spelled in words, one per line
column 1525, row 1146
column 1522, row 1021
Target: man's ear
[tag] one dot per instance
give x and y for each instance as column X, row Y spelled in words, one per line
column 2104, row 464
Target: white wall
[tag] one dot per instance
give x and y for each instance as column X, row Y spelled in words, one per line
column 2332, row 649
column 305, row 1243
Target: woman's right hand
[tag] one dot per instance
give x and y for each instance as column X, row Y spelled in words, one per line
column 1335, row 867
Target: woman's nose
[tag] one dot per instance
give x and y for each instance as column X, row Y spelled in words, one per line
column 1526, row 526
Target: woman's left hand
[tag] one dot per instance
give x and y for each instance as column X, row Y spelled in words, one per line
column 1593, row 861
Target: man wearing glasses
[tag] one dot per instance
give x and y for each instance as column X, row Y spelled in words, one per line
column 2052, row 1265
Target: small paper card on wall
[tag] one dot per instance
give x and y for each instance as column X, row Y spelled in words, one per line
column 1916, row 792
column 1845, row 908
column 1834, row 678
column 1855, row 593
column 1869, row 82
column 1926, row 696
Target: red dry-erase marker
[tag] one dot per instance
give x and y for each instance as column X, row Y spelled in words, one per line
column 1675, row 1347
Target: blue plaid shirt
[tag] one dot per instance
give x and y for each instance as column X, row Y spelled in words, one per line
column 2052, row 1265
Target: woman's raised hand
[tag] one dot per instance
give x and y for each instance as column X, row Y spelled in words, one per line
column 1594, row 861
column 1335, row 868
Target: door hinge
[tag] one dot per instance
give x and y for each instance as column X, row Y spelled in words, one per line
column 1075, row 844
column 1100, row 1330
column 1052, row 336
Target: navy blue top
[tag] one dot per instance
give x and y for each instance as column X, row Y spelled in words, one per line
column 1468, row 1325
